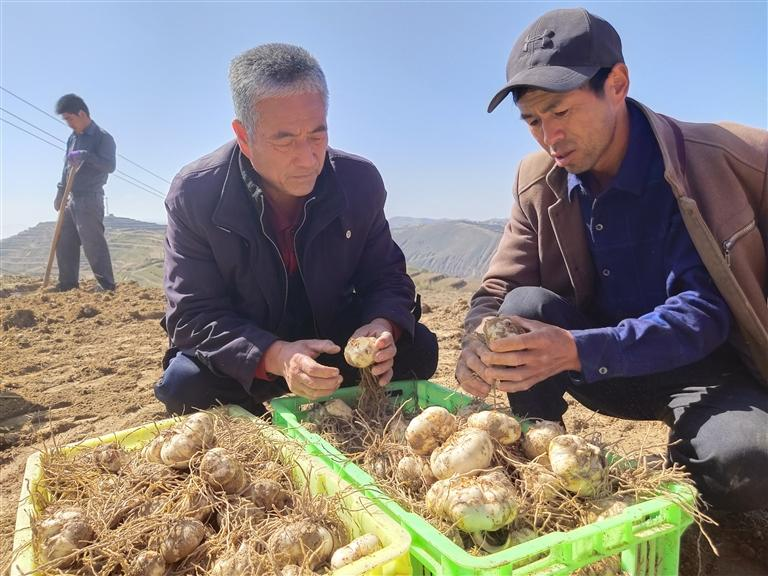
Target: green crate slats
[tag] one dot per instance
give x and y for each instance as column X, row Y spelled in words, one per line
column 646, row 535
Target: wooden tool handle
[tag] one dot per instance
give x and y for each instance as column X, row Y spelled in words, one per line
column 57, row 230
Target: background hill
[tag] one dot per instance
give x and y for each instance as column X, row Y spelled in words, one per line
column 136, row 248
column 460, row 248
column 453, row 248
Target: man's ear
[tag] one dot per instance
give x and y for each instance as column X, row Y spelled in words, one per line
column 242, row 137
column 617, row 83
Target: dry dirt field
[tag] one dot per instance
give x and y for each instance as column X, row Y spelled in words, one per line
column 81, row 364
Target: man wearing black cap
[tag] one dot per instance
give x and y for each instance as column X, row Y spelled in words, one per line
column 635, row 258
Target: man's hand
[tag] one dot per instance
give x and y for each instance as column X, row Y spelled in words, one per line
column 381, row 329
column 471, row 348
column 517, row 362
column 295, row 361
column 76, row 157
column 57, row 200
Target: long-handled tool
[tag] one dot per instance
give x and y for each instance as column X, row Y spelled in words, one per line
column 57, row 232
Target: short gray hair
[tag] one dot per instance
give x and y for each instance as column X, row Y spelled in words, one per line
column 272, row 70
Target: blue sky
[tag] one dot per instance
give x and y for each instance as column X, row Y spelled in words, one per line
column 409, row 86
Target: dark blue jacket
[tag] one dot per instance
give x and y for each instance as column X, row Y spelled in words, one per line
column 225, row 282
column 98, row 163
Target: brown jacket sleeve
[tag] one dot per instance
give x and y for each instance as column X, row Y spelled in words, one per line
column 515, row 263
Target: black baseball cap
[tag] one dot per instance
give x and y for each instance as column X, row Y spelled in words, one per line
column 560, row 51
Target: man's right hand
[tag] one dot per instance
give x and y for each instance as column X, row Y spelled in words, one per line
column 295, row 362
column 516, row 362
column 57, row 201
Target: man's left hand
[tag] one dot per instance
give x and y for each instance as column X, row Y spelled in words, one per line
column 381, row 329
column 519, row 361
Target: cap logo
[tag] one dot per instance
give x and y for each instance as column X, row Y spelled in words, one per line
column 545, row 37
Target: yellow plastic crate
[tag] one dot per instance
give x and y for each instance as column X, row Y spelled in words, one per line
column 357, row 512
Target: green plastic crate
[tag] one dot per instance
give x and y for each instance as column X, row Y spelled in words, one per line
column 646, row 535
column 356, row 511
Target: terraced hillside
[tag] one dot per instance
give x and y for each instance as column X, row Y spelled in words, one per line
column 136, row 248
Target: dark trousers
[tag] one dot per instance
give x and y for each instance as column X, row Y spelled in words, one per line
column 83, row 225
column 716, row 409
column 187, row 384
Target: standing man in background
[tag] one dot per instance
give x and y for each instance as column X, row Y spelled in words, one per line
column 90, row 151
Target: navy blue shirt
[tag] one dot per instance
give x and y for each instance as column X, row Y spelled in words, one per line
column 657, row 304
column 99, row 161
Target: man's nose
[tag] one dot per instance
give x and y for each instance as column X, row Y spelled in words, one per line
column 552, row 133
column 305, row 154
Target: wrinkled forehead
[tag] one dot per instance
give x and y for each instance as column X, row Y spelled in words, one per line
column 295, row 112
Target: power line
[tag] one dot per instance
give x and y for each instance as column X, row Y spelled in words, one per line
column 28, row 103
column 145, row 170
column 139, row 184
column 31, row 134
column 149, row 187
column 33, row 126
column 120, row 174
column 59, row 120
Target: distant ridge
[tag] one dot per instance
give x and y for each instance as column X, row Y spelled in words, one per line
column 408, row 221
column 454, row 248
column 460, row 248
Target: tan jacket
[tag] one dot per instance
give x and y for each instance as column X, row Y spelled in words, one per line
column 718, row 172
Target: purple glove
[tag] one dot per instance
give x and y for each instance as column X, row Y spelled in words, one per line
column 76, row 157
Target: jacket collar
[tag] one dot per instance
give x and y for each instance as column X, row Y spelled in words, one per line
column 568, row 227
column 238, row 209
column 671, row 144
column 232, row 212
column 92, row 129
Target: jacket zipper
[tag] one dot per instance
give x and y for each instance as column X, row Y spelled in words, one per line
column 731, row 242
column 285, row 270
column 298, row 263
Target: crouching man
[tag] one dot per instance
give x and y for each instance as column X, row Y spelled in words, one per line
column 636, row 258
column 278, row 251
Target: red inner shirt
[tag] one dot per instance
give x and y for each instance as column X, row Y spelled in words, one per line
column 283, row 225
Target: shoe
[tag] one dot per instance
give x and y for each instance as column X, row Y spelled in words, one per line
column 60, row 288
column 100, row 288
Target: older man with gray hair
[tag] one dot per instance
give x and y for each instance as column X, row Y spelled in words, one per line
column 278, row 251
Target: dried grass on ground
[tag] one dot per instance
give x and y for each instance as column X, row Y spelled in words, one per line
column 80, row 364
